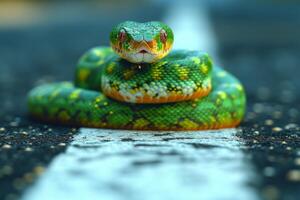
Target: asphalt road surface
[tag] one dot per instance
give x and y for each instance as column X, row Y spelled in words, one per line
column 260, row 160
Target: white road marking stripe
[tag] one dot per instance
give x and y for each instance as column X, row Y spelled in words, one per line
column 192, row 29
column 114, row 164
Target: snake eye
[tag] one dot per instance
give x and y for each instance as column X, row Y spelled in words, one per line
column 122, row 35
column 163, row 36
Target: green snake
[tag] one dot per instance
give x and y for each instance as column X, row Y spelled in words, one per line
column 138, row 83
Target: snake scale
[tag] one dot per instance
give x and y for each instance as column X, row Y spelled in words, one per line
column 138, row 83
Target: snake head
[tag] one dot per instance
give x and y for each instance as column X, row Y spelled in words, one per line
column 141, row 42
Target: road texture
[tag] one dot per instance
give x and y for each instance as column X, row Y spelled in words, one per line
column 260, row 160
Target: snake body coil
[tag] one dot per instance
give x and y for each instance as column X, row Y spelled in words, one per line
column 143, row 88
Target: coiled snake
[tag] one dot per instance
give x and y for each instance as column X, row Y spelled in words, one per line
column 138, row 84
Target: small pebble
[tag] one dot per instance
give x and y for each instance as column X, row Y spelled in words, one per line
column 62, row 144
column 6, row 146
column 283, row 142
column 2, row 129
column 291, row 126
column 24, row 133
column 276, row 129
column 294, row 175
column 28, row 149
column 269, row 122
column 288, row 148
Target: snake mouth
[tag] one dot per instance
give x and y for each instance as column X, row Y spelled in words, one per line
column 140, row 52
column 143, row 51
column 143, row 55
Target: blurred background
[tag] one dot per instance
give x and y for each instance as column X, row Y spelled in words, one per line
column 258, row 41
